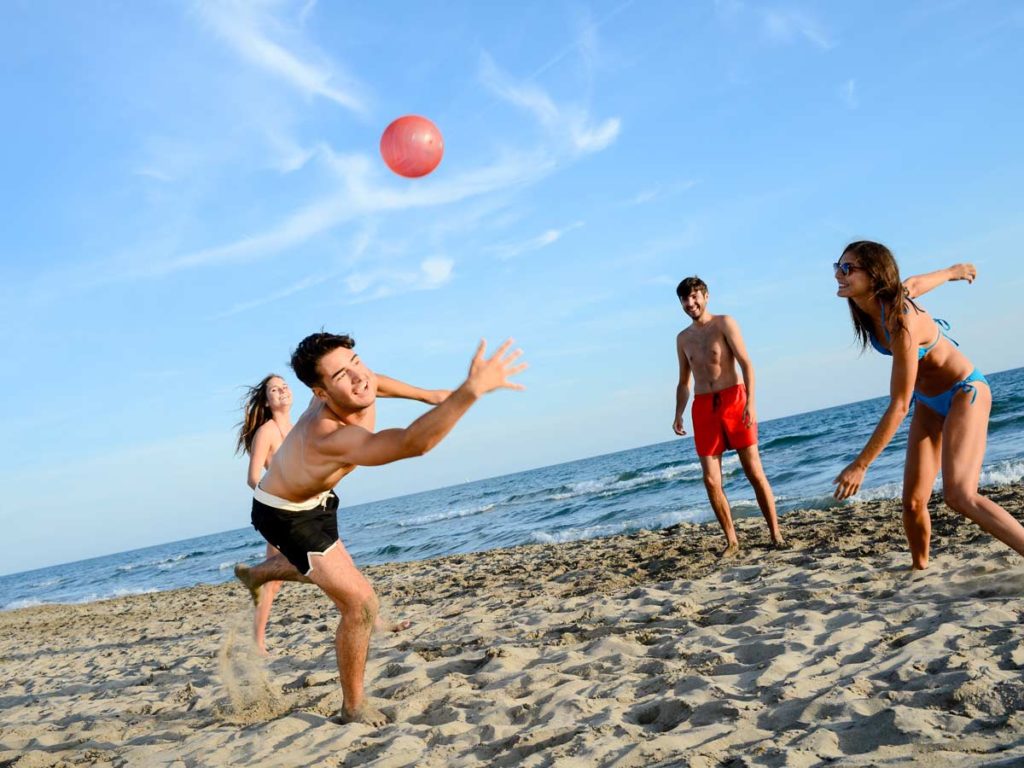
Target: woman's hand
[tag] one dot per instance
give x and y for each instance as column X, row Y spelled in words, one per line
column 438, row 396
column 848, row 481
column 963, row 272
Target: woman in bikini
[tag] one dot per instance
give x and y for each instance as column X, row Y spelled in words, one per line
column 950, row 423
column 266, row 420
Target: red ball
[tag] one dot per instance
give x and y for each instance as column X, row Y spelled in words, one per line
column 412, row 146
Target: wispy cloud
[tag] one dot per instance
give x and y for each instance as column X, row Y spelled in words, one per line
column 249, row 27
column 585, row 44
column 651, row 194
column 431, row 274
column 507, row 251
column 361, row 243
column 362, row 188
column 307, row 10
column 848, row 92
column 167, row 160
column 787, row 26
column 571, row 123
column 362, row 192
column 244, row 306
column 289, row 155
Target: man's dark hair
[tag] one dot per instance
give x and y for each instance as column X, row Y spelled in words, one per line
column 689, row 285
column 307, row 355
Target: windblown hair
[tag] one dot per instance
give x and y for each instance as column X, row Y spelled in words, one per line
column 307, row 355
column 880, row 266
column 689, row 285
column 255, row 413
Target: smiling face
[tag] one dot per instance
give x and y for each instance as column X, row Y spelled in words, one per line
column 346, row 385
column 853, row 280
column 694, row 303
column 279, row 395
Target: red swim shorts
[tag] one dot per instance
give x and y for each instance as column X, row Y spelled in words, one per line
column 718, row 422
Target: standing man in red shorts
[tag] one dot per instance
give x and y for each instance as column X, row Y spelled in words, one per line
column 724, row 417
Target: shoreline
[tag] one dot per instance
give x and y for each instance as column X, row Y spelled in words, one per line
column 639, row 648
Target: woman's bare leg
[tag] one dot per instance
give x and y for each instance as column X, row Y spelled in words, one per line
column 964, row 439
column 924, row 451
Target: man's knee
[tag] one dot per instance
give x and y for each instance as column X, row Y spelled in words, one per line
column 362, row 608
column 359, row 601
column 713, row 483
column 369, row 610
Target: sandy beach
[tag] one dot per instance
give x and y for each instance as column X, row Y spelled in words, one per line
column 638, row 650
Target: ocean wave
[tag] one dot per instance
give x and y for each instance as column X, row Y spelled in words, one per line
column 1010, row 421
column 892, row 490
column 390, row 550
column 623, row 482
column 166, row 563
column 90, row 598
column 448, row 514
column 1000, row 473
column 23, row 603
column 784, row 441
column 120, row 592
column 598, row 531
column 1003, row 473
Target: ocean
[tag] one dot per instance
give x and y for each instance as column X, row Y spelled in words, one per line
column 644, row 488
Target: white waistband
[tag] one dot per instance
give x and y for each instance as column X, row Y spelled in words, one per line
column 288, row 506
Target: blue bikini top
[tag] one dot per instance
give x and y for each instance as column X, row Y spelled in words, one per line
column 942, row 325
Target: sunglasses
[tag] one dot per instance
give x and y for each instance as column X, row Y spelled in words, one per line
column 846, row 268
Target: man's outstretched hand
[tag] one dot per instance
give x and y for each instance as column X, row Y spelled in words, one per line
column 489, row 374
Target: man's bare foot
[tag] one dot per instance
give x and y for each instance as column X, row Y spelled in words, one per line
column 244, row 574
column 364, row 714
column 390, row 626
column 780, row 543
column 730, row 551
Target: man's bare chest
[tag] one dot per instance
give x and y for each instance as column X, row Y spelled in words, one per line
column 705, row 347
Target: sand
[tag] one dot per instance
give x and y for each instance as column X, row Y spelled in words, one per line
column 638, row 650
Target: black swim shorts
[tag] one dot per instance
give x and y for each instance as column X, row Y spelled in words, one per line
column 298, row 533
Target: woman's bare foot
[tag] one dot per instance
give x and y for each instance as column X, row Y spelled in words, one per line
column 730, row 551
column 364, row 714
column 244, row 575
column 780, row 543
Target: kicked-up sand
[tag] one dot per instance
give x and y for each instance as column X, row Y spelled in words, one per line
column 636, row 650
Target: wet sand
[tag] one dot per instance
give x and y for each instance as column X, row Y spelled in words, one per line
column 636, row 650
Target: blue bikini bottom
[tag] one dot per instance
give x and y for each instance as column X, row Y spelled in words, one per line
column 942, row 403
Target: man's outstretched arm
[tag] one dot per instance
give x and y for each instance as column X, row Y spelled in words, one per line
column 355, row 445
column 388, row 387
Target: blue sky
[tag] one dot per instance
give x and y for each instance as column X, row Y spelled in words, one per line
column 192, row 188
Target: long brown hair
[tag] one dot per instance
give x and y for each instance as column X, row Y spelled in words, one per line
column 880, row 266
column 255, row 413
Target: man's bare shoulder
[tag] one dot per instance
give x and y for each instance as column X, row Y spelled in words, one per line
column 726, row 322
column 684, row 338
column 314, row 425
